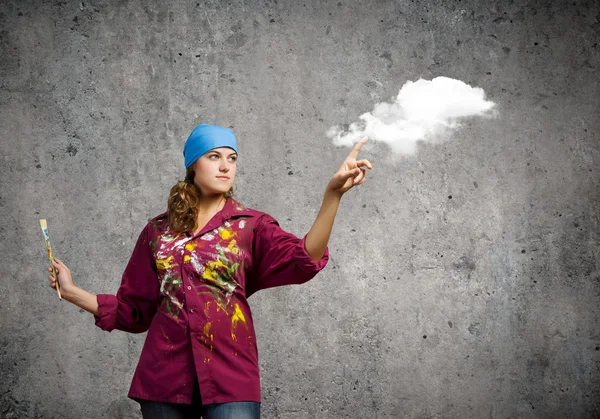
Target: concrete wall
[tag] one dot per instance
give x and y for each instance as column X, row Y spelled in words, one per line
column 463, row 282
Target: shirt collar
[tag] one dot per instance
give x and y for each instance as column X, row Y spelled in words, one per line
column 233, row 209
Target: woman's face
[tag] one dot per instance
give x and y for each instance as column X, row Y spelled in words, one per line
column 215, row 171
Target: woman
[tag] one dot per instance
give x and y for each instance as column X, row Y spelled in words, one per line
column 189, row 277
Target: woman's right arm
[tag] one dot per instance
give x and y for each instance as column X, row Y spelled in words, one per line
column 69, row 291
column 135, row 304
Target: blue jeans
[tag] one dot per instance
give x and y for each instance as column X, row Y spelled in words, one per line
column 236, row 410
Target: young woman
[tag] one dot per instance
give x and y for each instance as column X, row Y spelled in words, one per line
column 189, row 277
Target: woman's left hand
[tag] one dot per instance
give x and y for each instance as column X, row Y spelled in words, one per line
column 351, row 173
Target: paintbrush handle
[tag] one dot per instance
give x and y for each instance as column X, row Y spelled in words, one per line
column 57, row 283
column 44, row 226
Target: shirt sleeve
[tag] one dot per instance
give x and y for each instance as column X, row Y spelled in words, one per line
column 280, row 258
column 134, row 306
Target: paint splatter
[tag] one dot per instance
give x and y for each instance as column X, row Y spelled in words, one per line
column 207, row 332
column 237, row 317
column 167, row 245
column 219, row 271
column 216, row 258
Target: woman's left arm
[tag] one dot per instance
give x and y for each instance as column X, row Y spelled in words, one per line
column 351, row 173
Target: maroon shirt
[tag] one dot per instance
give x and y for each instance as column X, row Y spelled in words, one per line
column 190, row 294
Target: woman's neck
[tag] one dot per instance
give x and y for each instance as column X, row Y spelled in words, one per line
column 211, row 205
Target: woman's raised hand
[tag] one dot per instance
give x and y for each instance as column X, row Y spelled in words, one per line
column 64, row 276
column 351, row 173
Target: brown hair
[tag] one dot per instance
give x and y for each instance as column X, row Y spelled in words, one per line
column 184, row 199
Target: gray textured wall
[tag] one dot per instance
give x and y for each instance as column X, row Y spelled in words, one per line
column 482, row 305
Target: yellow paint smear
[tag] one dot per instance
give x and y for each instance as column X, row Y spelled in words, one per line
column 207, row 331
column 209, row 271
column 165, row 264
column 232, row 247
column 238, row 316
column 225, row 234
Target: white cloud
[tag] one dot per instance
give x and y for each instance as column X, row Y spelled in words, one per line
column 422, row 111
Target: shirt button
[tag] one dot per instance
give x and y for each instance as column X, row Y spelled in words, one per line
column 192, row 311
column 189, row 287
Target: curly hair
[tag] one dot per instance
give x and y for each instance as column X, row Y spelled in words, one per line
column 184, row 199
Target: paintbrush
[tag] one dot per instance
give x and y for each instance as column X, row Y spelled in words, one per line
column 44, row 226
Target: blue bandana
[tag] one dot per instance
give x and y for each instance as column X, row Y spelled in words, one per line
column 205, row 138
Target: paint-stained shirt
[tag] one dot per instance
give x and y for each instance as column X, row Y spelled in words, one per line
column 190, row 293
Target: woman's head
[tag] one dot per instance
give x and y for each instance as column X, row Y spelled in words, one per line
column 210, row 156
column 211, row 151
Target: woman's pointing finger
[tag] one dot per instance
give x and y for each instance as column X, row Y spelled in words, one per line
column 357, row 148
